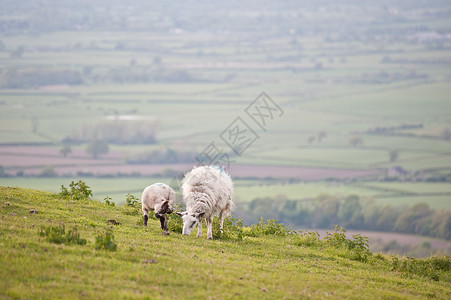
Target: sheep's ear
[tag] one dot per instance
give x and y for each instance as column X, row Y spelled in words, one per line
column 181, row 213
column 165, row 204
column 200, row 215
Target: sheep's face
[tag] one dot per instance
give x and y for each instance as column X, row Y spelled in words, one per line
column 190, row 222
column 162, row 208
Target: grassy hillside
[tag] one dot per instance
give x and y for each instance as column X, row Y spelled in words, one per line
column 147, row 264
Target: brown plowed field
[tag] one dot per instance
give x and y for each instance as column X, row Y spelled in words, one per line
column 31, row 160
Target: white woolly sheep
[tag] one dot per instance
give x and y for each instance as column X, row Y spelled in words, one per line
column 207, row 192
column 160, row 198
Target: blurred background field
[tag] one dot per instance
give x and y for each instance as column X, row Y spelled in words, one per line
column 364, row 88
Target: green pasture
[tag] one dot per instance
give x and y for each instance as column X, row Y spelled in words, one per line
column 433, row 163
column 411, row 187
column 436, row 195
column 347, row 157
column 410, row 103
column 299, row 191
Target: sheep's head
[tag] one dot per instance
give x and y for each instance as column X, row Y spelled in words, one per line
column 190, row 221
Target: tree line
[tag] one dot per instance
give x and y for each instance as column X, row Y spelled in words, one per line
column 37, row 77
column 116, row 132
column 326, row 211
column 32, row 78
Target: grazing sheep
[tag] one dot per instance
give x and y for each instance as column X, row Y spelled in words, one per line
column 160, row 198
column 207, row 191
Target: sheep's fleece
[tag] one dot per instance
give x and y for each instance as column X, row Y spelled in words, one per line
column 207, row 192
column 161, row 198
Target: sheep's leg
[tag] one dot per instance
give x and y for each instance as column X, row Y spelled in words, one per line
column 221, row 221
column 146, row 217
column 161, row 217
column 209, row 228
column 164, row 223
column 199, row 230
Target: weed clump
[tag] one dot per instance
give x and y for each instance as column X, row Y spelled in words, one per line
column 175, row 222
column 132, row 201
column 58, row 235
column 106, row 241
column 232, row 229
column 78, row 191
column 432, row 267
column 309, row 239
column 358, row 245
column 271, row 227
column 356, row 248
column 108, row 201
column 132, row 205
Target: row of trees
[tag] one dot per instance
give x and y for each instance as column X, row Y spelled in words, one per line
column 116, row 132
column 95, row 148
column 325, row 211
column 133, row 73
column 33, row 77
column 162, row 155
column 384, row 77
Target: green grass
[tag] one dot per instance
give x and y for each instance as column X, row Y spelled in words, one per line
column 411, row 187
column 149, row 265
column 436, row 195
column 403, row 103
column 434, row 202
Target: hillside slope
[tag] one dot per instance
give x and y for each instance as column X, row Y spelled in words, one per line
column 149, row 265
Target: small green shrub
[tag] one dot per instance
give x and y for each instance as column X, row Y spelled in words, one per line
column 106, row 241
column 175, row 222
column 132, row 206
column 108, row 201
column 232, row 229
column 337, row 238
column 58, row 235
column 441, row 263
column 309, row 239
column 358, row 246
column 434, row 267
column 271, row 227
column 78, row 191
column 132, row 201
